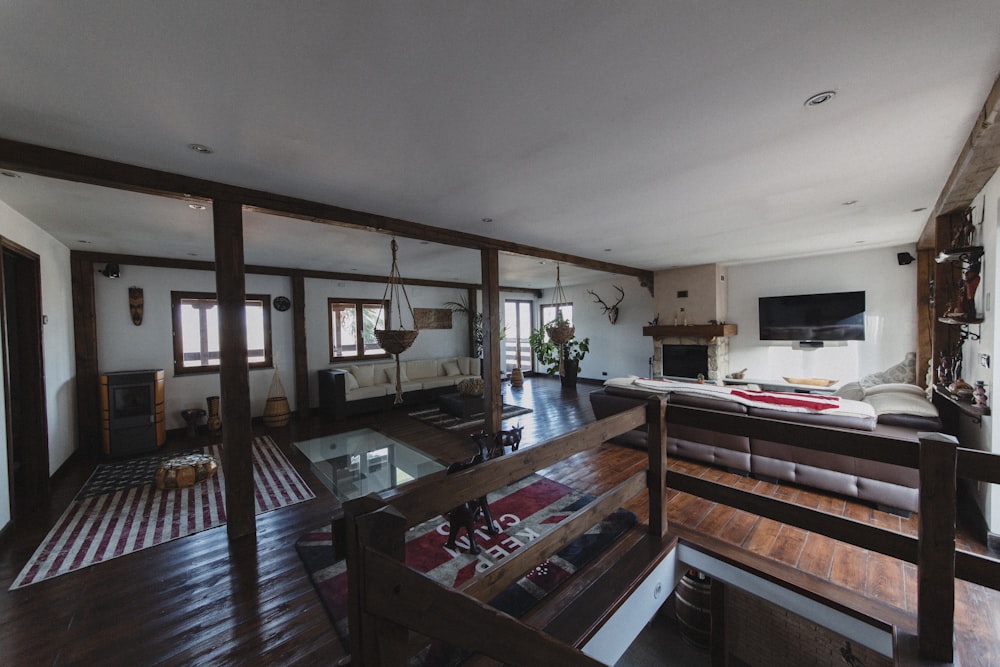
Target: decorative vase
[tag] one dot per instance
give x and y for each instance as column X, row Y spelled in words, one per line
column 979, row 396
column 516, row 377
column 568, row 373
column 214, row 421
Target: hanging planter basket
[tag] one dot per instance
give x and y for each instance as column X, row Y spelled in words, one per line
column 561, row 334
column 396, row 341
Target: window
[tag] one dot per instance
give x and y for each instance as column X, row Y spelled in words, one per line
column 352, row 328
column 196, row 331
column 549, row 312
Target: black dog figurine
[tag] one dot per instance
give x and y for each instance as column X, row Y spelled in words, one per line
column 466, row 514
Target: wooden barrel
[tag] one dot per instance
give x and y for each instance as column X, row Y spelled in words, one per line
column 693, row 604
column 276, row 412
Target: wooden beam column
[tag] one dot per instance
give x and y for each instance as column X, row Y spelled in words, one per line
column 88, row 406
column 491, row 339
column 234, row 374
column 299, row 342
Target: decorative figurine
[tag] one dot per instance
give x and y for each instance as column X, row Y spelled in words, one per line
column 979, row 396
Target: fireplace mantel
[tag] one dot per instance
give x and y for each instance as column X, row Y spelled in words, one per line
column 690, row 331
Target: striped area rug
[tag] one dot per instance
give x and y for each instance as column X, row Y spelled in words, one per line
column 97, row 528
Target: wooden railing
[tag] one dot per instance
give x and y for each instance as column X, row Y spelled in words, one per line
column 940, row 463
column 386, row 598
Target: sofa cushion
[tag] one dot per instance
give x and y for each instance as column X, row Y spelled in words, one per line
column 436, row 382
column 905, row 372
column 418, row 369
column 389, row 374
column 463, row 365
column 368, row 392
column 901, row 403
column 451, row 368
column 364, row 374
column 851, row 390
column 350, row 382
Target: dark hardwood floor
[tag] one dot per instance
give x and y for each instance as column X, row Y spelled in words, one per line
column 206, row 600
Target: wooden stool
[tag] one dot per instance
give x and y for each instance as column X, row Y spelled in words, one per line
column 185, row 471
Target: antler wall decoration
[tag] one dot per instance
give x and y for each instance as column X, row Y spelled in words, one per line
column 610, row 311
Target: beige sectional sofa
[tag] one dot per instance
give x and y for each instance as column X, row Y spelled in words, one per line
column 370, row 386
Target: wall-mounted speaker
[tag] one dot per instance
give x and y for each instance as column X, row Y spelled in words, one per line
column 904, row 258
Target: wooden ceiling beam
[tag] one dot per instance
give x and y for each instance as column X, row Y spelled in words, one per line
column 53, row 163
column 976, row 164
column 203, row 265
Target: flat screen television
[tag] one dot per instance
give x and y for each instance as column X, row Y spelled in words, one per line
column 832, row 316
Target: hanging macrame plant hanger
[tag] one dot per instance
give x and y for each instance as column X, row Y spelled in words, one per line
column 396, row 341
column 561, row 331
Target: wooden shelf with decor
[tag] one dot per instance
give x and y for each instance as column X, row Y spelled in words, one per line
column 689, row 331
column 952, row 312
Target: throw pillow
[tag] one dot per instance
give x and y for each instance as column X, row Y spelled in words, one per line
column 451, row 368
column 350, row 382
column 463, row 365
column 475, row 363
column 365, row 375
column 904, row 372
column 390, row 374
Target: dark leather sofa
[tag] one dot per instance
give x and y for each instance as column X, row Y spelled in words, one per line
column 888, row 486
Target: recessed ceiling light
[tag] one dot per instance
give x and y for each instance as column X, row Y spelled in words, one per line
column 82, row 241
column 201, row 148
column 197, row 207
column 849, row 202
column 11, row 174
column 607, row 250
column 820, row 98
column 918, row 210
column 192, row 254
column 487, row 219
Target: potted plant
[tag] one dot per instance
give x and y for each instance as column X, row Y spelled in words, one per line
column 563, row 359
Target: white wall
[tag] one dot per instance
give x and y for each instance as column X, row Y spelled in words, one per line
column 890, row 319
column 57, row 346
column 617, row 350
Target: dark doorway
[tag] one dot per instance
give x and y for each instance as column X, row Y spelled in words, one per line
column 24, row 383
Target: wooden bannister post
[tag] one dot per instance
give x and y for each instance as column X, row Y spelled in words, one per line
column 936, row 548
column 656, row 412
column 371, row 524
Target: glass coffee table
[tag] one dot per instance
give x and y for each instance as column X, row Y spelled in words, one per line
column 364, row 461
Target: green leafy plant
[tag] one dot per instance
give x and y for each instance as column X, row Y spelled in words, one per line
column 548, row 353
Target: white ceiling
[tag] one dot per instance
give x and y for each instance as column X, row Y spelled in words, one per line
column 649, row 134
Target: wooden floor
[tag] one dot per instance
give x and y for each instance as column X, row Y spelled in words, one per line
column 206, row 600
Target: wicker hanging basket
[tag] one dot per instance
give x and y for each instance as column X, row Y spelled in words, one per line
column 561, row 334
column 396, row 341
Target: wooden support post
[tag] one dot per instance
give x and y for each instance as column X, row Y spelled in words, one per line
column 371, row 524
column 936, row 548
column 88, row 406
column 234, row 373
column 299, row 338
column 491, row 339
column 656, row 412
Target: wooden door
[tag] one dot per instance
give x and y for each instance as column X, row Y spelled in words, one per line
column 24, row 381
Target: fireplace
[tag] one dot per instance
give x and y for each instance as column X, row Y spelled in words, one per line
column 685, row 361
column 133, row 412
column 687, row 356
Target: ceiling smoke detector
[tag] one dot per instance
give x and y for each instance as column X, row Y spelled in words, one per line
column 820, row 98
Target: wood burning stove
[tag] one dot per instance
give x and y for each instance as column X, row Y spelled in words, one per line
column 133, row 412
